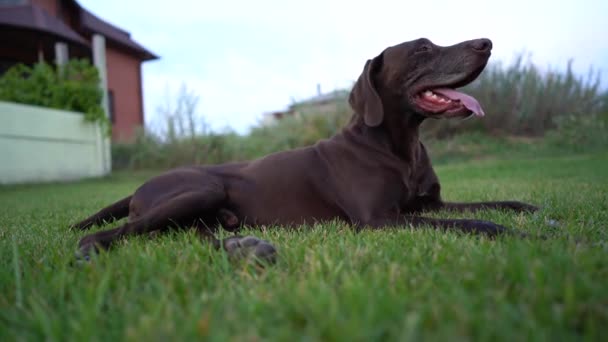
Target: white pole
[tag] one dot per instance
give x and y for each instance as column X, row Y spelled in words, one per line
column 61, row 53
column 99, row 59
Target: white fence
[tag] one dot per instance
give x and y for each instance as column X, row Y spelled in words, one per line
column 41, row 145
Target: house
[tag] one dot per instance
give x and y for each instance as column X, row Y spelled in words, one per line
column 55, row 30
column 322, row 103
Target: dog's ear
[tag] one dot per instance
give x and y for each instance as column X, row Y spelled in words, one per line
column 364, row 98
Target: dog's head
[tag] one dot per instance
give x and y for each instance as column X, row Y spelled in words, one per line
column 420, row 77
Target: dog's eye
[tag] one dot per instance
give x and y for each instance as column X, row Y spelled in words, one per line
column 423, row 48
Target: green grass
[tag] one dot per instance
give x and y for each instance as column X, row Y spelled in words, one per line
column 329, row 283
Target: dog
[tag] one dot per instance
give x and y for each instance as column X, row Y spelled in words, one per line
column 373, row 174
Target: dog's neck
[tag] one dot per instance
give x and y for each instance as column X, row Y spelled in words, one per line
column 398, row 133
column 401, row 128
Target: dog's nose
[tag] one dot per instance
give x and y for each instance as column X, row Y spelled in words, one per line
column 481, row 45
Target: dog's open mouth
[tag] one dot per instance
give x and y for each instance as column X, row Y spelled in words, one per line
column 448, row 102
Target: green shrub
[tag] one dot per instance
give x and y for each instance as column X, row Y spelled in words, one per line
column 151, row 151
column 527, row 110
column 581, row 132
column 74, row 86
column 520, row 99
column 308, row 127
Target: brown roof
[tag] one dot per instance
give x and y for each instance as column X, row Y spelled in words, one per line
column 92, row 23
column 34, row 18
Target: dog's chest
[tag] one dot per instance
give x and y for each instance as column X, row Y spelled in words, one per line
column 408, row 188
column 392, row 187
column 418, row 182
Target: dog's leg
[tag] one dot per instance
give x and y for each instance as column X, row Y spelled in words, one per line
column 501, row 205
column 182, row 209
column 108, row 214
column 467, row 226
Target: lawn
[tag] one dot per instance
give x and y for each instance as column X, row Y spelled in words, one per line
column 329, row 283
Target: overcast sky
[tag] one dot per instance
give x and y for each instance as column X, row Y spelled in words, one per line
column 248, row 57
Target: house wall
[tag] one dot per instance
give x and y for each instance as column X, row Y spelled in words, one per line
column 40, row 144
column 124, row 83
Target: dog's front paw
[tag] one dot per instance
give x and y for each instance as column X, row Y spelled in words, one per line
column 250, row 248
column 487, row 228
column 86, row 247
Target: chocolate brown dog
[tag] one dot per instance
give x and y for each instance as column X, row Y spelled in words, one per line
column 375, row 173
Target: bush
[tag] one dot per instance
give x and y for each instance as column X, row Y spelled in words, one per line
column 522, row 104
column 184, row 140
column 519, row 100
column 523, row 100
column 308, row 127
column 581, row 133
column 74, row 86
column 150, row 151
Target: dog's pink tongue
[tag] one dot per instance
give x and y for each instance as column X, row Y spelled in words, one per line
column 468, row 101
